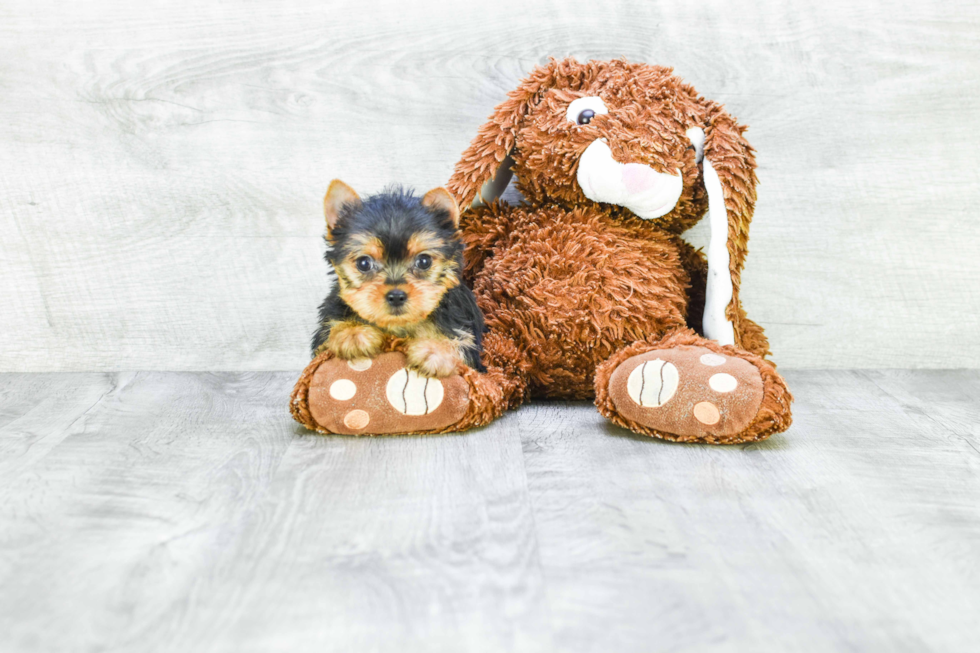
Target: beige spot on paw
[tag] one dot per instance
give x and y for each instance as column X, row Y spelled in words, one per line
column 706, row 413
column 412, row 394
column 359, row 364
column 356, row 420
column 723, row 382
column 342, row 389
column 652, row 383
column 712, row 360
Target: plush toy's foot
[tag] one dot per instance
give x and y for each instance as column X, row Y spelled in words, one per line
column 382, row 396
column 691, row 389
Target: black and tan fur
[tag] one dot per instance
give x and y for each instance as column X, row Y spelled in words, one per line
column 390, row 243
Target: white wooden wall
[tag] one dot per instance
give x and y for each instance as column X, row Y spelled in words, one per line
column 162, row 165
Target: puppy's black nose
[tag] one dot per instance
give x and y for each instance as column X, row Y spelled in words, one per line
column 396, row 298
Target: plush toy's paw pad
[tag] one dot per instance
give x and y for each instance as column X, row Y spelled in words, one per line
column 381, row 396
column 687, row 391
column 412, row 394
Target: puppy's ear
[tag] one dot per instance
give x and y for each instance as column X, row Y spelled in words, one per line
column 483, row 170
column 439, row 199
column 338, row 194
column 728, row 162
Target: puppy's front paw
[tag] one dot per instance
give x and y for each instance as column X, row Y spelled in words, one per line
column 434, row 358
column 351, row 341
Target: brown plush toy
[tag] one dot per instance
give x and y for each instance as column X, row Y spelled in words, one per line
column 588, row 288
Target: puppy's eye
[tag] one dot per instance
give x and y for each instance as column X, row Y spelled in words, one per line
column 364, row 263
column 423, row 261
column 584, row 109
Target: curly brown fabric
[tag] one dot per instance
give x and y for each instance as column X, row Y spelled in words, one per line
column 570, row 286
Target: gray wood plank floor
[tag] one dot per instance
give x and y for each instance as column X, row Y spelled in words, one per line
column 187, row 512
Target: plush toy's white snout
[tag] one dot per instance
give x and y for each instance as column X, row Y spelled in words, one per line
column 644, row 191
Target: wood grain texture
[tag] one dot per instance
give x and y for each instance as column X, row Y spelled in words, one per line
column 187, row 512
column 161, row 166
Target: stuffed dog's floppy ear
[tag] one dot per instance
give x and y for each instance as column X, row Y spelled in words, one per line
column 483, row 170
column 728, row 164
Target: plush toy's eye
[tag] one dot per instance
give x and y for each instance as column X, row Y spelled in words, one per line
column 364, row 263
column 423, row 261
column 584, row 109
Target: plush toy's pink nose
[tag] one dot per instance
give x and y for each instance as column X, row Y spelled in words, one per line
column 638, row 178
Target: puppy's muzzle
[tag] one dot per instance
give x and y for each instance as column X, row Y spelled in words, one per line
column 641, row 189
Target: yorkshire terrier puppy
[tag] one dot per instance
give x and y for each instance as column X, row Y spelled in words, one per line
column 396, row 259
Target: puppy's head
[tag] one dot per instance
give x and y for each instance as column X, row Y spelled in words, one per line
column 395, row 254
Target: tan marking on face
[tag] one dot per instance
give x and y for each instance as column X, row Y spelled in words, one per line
column 364, row 245
column 347, row 275
column 422, row 241
column 450, row 278
column 368, row 299
column 444, row 273
column 423, row 298
column 424, row 294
